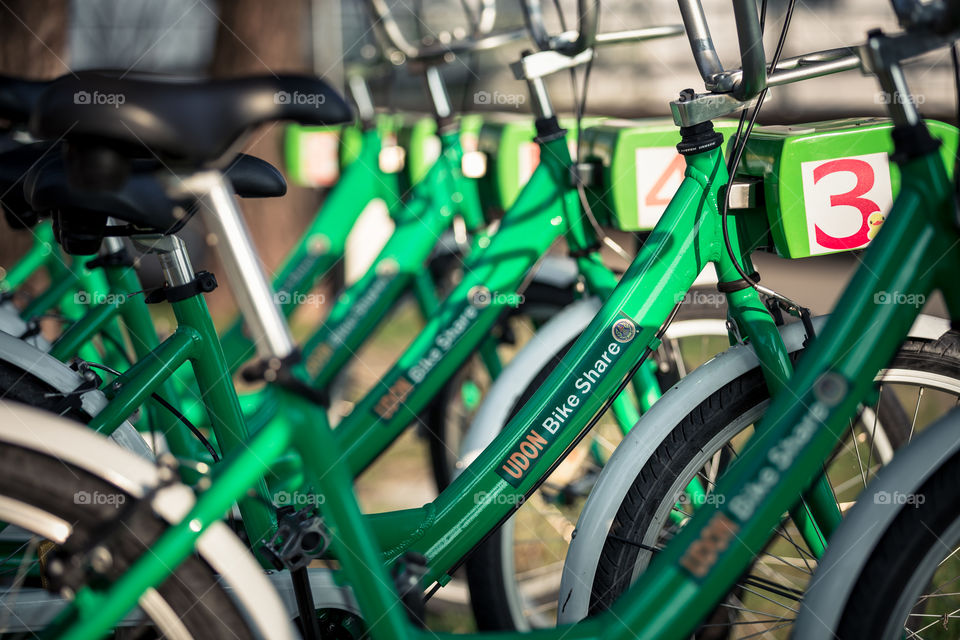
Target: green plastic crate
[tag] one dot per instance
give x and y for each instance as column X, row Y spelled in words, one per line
column 828, row 186
column 512, row 155
column 639, row 169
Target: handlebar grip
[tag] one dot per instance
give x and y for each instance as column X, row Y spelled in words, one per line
column 939, row 16
column 588, row 12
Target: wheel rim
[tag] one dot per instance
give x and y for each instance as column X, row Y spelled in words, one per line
column 768, row 599
column 928, row 605
column 41, row 526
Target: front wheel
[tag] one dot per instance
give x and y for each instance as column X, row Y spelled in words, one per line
column 908, row 588
column 62, row 508
column 921, row 383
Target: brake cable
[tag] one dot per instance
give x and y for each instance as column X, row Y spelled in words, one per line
column 169, row 407
column 580, row 106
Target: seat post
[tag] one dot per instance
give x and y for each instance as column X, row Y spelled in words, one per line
column 171, row 252
column 225, row 224
column 438, row 94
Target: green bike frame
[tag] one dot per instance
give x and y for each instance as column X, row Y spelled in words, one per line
column 437, row 199
column 600, row 363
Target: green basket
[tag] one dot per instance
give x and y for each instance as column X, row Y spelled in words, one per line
column 827, row 186
column 638, row 169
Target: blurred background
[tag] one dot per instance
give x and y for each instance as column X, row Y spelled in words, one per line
column 45, row 38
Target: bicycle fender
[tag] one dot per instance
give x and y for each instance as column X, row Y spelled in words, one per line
column 640, row 443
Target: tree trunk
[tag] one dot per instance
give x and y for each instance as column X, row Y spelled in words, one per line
column 256, row 37
column 33, row 38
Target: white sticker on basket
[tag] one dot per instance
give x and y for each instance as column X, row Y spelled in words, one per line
column 321, row 157
column 431, row 150
column 659, row 174
column 528, row 159
column 845, row 200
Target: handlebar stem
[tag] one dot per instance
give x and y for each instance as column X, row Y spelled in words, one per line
column 360, row 90
column 542, row 107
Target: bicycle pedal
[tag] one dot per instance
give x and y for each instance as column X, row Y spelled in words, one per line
column 300, row 537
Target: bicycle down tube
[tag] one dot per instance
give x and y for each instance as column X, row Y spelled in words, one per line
column 546, row 208
column 442, row 194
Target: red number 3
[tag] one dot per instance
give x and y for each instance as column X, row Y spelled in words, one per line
column 865, row 179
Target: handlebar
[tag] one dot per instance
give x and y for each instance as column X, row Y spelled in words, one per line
column 752, row 76
column 809, row 65
column 573, row 43
column 391, row 36
column 569, row 43
column 939, row 16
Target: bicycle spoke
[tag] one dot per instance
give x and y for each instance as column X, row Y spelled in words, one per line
column 916, row 412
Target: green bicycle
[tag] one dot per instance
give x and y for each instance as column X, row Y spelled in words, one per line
column 702, row 563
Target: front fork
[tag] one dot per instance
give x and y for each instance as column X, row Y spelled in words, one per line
column 818, row 514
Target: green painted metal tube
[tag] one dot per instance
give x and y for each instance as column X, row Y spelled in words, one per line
column 93, row 614
column 465, row 318
column 223, row 407
column 557, row 414
column 133, row 388
column 360, row 309
column 801, row 428
column 83, row 330
column 50, row 297
column 359, row 556
column 143, row 338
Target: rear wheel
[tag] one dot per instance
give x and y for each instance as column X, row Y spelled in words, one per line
column 60, row 506
column 908, row 588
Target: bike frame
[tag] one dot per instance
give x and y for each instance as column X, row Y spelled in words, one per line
column 688, row 237
column 399, row 269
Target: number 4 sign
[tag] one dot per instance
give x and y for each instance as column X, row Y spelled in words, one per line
column 659, row 174
column 845, row 201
